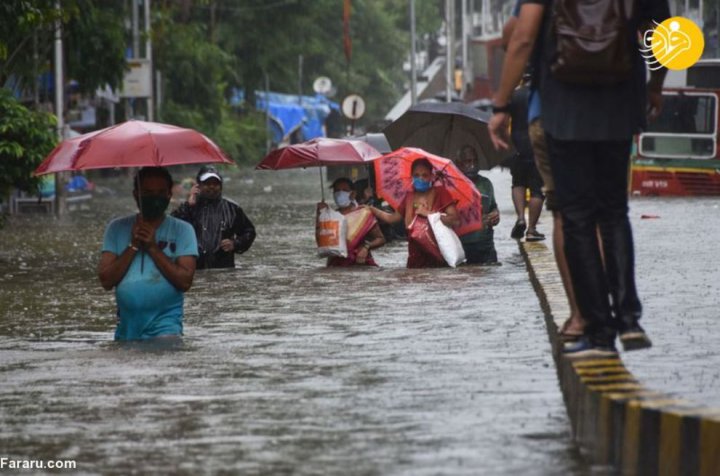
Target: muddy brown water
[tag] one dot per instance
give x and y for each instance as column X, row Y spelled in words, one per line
column 291, row 368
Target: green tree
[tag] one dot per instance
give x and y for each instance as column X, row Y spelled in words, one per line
column 26, row 137
column 93, row 33
column 207, row 47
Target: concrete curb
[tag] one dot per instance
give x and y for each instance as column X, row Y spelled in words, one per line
column 616, row 421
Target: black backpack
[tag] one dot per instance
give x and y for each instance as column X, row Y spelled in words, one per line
column 593, row 41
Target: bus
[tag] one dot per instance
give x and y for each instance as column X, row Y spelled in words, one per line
column 679, row 152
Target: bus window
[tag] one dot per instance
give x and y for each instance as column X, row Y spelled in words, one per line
column 686, row 128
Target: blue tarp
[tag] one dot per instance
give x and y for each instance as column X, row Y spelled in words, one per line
column 290, row 112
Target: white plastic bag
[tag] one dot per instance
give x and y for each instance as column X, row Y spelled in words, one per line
column 447, row 240
column 331, row 233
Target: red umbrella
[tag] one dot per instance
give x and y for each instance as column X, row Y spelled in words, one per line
column 393, row 180
column 320, row 152
column 132, row 144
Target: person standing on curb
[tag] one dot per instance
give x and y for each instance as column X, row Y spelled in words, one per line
column 589, row 128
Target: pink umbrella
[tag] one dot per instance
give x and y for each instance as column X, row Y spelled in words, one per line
column 133, row 144
column 320, row 152
column 393, row 180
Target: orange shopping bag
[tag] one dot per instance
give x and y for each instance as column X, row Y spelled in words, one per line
column 331, row 233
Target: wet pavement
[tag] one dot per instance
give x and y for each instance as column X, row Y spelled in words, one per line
column 291, row 368
column 679, row 284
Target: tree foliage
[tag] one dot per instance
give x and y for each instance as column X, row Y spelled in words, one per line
column 26, row 137
column 207, row 47
column 93, row 34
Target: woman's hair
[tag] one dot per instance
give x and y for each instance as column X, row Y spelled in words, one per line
column 152, row 172
column 340, row 180
column 422, row 162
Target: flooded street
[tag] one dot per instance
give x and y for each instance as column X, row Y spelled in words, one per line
column 288, row 367
column 292, row 368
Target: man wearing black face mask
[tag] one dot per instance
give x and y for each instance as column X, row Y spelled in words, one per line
column 221, row 226
column 149, row 259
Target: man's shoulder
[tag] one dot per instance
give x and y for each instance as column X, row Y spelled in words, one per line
column 231, row 202
column 123, row 221
column 482, row 180
column 177, row 222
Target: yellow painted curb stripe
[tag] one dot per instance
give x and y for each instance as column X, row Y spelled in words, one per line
column 670, row 443
column 615, row 386
column 710, row 447
column 583, row 364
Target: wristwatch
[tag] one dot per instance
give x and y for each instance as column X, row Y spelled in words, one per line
column 133, row 247
column 498, row 109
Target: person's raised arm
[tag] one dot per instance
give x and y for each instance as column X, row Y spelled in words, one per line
column 180, row 273
column 386, row 217
column 518, row 53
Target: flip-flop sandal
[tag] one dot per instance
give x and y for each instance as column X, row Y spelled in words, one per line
column 566, row 336
column 569, row 336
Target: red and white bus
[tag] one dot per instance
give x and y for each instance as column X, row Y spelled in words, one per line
column 679, row 154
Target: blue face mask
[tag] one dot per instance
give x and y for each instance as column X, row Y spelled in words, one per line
column 342, row 198
column 421, row 185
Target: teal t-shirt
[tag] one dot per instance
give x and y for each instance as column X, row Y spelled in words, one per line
column 483, row 238
column 148, row 304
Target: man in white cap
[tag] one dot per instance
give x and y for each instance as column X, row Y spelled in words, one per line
column 221, row 226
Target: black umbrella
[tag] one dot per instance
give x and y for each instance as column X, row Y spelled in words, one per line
column 444, row 129
column 377, row 140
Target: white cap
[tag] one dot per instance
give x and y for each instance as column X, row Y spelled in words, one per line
column 209, row 175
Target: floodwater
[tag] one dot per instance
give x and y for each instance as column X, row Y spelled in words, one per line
column 292, row 368
column 679, row 284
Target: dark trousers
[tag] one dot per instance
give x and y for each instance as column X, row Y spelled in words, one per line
column 591, row 187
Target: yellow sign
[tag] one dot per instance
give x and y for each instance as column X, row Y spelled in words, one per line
column 677, row 43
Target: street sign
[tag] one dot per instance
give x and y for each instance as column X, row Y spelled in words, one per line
column 353, row 107
column 322, row 85
column 137, row 82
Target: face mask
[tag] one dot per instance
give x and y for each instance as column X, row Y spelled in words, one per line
column 153, row 207
column 421, row 185
column 342, row 198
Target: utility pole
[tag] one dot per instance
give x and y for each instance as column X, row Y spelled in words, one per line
column 300, row 74
column 449, row 60
column 149, row 57
column 130, row 102
column 465, row 33
column 60, row 202
column 268, row 137
column 413, row 56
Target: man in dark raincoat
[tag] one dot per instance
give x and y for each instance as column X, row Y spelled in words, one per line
column 221, row 226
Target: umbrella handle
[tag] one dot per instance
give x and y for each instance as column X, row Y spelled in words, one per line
column 322, row 185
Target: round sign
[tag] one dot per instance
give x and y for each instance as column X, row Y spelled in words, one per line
column 322, row 85
column 353, row 107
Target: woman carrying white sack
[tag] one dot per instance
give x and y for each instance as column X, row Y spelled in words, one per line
column 363, row 231
column 424, row 200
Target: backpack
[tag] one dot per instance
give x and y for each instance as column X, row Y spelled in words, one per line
column 593, row 41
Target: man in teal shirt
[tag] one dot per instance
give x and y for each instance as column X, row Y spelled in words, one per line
column 149, row 258
column 479, row 246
